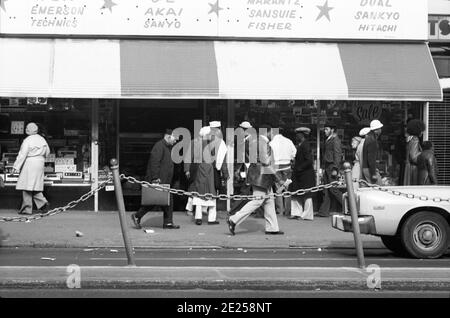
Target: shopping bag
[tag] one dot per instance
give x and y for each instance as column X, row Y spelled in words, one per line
column 152, row 196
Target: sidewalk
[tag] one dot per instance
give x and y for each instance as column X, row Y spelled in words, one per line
column 102, row 229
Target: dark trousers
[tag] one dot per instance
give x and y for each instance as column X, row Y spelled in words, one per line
column 168, row 211
column 332, row 200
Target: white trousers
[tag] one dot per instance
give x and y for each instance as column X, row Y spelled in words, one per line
column 211, row 210
column 305, row 211
column 269, row 211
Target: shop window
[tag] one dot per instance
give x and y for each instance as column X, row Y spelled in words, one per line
column 65, row 124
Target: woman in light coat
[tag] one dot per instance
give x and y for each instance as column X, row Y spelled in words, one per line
column 30, row 164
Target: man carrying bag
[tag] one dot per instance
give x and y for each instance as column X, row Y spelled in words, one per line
column 159, row 170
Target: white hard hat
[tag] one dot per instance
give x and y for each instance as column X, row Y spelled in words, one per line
column 375, row 124
column 214, row 124
column 364, row 131
column 204, row 131
column 245, row 125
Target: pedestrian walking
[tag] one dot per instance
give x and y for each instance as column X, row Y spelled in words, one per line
column 160, row 169
column 356, row 169
column 332, row 158
column 370, row 152
column 220, row 155
column 30, row 164
column 261, row 177
column 427, row 165
column 200, row 173
column 303, row 177
column 414, row 130
column 284, row 152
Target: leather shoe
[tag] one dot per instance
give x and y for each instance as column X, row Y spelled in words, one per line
column 198, row 222
column 275, row 233
column 45, row 208
column 213, row 222
column 170, row 226
column 231, row 226
column 136, row 221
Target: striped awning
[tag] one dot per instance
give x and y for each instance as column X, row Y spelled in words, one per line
column 89, row 68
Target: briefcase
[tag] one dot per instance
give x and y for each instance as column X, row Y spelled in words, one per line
column 152, row 196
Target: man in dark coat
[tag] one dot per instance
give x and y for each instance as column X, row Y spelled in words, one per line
column 332, row 158
column 303, row 174
column 160, row 170
column 426, row 165
column 261, row 177
column 370, row 153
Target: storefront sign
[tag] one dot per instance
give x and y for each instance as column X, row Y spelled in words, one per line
column 307, row 19
column 439, row 28
column 365, row 113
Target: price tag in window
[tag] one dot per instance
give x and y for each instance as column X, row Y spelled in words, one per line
column 109, row 188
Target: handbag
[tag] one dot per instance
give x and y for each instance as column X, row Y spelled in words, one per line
column 152, row 196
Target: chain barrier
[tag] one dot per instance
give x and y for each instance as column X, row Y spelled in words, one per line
column 402, row 194
column 208, row 196
column 55, row 211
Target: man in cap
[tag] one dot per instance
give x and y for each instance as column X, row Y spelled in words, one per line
column 303, row 177
column 332, row 158
column 160, row 169
column 370, row 152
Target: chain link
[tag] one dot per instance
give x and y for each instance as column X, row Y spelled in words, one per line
column 401, row 194
column 208, row 196
column 58, row 210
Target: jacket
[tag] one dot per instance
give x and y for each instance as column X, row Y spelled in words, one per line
column 427, row 168
column 262, row 173
column 369, row 153
column 160, row 165
column 303, row 172
column 283, row 150
column 332, row 153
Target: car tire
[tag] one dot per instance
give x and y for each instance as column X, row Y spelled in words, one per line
column 425, row 235
column 393, row 243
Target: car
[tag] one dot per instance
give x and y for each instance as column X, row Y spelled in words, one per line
column 410, row 220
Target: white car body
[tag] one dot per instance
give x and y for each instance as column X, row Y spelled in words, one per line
column 389, row 209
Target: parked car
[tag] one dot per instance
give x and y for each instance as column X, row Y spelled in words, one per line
column 412, row 220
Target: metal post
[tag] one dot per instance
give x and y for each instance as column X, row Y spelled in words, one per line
column 121, row 208
column 354, row 214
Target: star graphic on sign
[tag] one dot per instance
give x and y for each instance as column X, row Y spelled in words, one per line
column 2, row 4
column 215, row 8
column 108, row 5
column 324, row 11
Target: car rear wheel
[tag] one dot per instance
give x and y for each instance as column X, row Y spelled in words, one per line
column 393, row 243
column 425, row 235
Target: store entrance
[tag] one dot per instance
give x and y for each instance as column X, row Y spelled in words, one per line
column 141, row 124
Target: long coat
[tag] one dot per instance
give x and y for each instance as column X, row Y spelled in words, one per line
column 303, row 172
column 427, row 168
column 413, row 151
column 160, row 165
column 201, row 174
column 30, row 162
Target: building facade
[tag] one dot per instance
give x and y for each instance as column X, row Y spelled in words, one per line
column 105, row 78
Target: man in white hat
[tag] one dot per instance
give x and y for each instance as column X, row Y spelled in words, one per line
column 217, row 142
column 245, row 125
column 369, row 153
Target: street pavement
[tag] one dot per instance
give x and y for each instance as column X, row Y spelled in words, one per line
column 310, row 257
column 103, row 229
